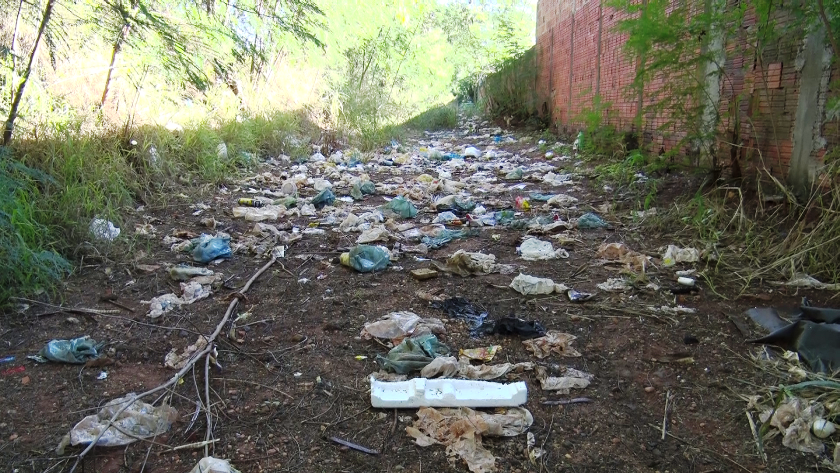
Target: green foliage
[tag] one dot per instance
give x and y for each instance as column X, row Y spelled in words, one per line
column 438, row 118
column 28, row 261
column 509, row 90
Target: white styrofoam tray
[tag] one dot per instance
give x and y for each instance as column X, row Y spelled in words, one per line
column 422, row 392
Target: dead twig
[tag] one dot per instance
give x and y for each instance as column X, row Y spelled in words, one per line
column 665, row 416
column 563, row 402
column 354, row 446
column 188, row 366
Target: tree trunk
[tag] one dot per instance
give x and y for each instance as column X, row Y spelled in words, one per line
column 13, row 110
column 14, row 49
column 117, row 47
column 15, row 36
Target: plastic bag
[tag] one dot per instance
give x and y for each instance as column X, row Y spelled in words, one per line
column 76, row 351
column 445, row 237
column 460, row 308
column 534, row 249
column 104, row 229
column 402, row 207
column 366, row 259
column 324, row 198
column 515, row 174
column 207, row 248
column 213, row 465
column 412, row 354
column 139, row 420
column 589, row 221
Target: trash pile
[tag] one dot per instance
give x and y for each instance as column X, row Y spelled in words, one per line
column 422, row 372
column 368, row 214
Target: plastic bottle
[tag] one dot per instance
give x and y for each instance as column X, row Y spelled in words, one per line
column 251, row 202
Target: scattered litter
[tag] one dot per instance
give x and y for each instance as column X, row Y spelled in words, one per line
column 534, row 249
column 460, row 308
column 480, row 354
column 374, row 234
column 366, row 259
column 7, row 359
column 207, row 248
column 465, row 264
column 102, row 375
column 448, row 218
column 534, row 452
column 191, row 292
column 176, row 361
column 140, row 420
column 103, row 229
column 213, row 465
column 15, row 370
column 684, row 281
column 398, row 325
column 412, row 354
column 576, row 296
column 674, row 255
column 529, row 285
column 571, row 379
column 513, row 326
column 515, row 174
column 472, row 152
column 259, row 214
column 423, row 274
column 561, row 200
column 804, row 280
column 184, row 273
column 793, row 418
column 460, row 430
column 76, row 351
column 590, row 221
column 614, row 285
column 450, row 367
column 619, row 252
column 553, row 341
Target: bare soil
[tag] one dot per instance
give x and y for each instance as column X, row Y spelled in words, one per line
column 294, row 381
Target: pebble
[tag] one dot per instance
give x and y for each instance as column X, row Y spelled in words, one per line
column 13, row 437
column 650, row 389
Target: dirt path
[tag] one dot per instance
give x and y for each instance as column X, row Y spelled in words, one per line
column 295, row 371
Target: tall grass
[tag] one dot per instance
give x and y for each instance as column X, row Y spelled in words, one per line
column 51, row 188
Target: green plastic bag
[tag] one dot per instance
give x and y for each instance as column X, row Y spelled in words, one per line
column 402, row 207
column 413, row 354
column 324, row 198
column 366, row 258
column 589, row 221
column 515, row 174
column 76, row 351
column 445, row 237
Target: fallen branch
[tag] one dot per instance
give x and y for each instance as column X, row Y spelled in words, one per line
column 188, row 366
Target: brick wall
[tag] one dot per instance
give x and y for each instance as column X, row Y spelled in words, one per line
column 759, row 89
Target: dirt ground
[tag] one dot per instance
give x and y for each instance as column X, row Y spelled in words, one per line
column 294, row 378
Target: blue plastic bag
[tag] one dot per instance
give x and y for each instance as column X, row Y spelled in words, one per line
column 207, row 248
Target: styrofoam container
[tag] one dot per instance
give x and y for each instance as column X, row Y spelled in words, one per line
column 423, row 392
